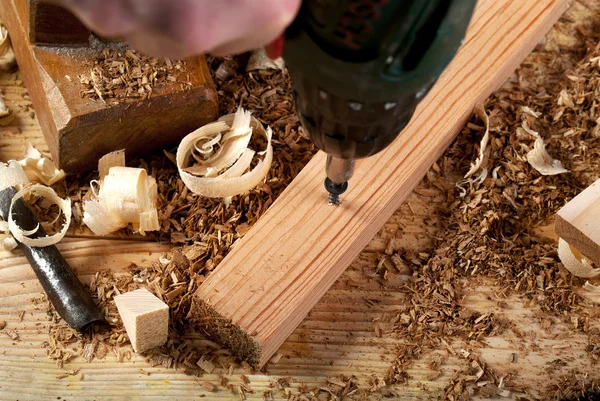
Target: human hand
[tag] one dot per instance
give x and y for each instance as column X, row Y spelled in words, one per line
column 182, row 28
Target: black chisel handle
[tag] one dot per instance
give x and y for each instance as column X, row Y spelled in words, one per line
column 69, row 297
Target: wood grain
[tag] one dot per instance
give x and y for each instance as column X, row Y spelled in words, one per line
column 53, row 25
column 145, row 317
column 80, row 130
column 284, row 265
column 337, row 337
column 578, row 222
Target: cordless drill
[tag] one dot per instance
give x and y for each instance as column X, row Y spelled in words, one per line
column 359, row 69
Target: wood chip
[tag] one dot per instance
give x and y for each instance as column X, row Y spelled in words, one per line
column 206, row 365
column 208, row 386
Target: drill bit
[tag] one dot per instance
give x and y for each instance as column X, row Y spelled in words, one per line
column 338, row 171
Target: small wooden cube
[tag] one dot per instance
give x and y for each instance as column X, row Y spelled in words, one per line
column 578, row 222
column 146, row 319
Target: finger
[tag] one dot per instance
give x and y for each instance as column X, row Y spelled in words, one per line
column 245, row 44
column 157, row 45
column 233, row 26
column 186, row 27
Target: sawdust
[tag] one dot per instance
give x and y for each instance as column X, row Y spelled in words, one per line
column 491, row 231
column 120, row 74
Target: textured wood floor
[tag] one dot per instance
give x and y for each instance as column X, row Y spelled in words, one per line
column 338, row 337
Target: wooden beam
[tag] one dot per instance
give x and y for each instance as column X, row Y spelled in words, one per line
column 273, row 277
column 578, row 222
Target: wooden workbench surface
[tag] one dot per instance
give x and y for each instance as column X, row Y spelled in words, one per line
column 340, row 336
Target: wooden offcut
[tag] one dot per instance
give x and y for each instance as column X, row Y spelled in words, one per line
column 145, row 317
column 52, row 51
column 273, row 277
column 578, row 222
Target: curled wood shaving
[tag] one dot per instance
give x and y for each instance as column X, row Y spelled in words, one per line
column 126, row 195
column 531, row 112
column 47, row 193
column 42, row 167
column 480, row 111
column 7, row 241
column 11, row 175
column 574, row 262
column 591, row 287
column 223, row 157
column 539, row 158
column 112, row 159
column 7, row 55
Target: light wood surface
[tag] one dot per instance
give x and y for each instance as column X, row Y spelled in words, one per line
column 578, row 222
column 337, row 337
column 145, row 317
column 266, row 285
column 80, row 130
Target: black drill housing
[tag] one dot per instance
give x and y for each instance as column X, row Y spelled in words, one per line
column 360, row 67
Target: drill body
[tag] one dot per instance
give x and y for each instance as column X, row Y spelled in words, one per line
column 359, row 69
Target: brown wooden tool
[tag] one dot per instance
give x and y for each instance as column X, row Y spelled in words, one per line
column 53, row 49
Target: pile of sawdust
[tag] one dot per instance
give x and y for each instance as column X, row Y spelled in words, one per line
column 491, row 229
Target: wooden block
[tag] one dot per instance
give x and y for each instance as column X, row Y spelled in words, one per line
column 53, row 25
column 146, row 319
column 578, row 222
column 269, row 282
column 80, row 130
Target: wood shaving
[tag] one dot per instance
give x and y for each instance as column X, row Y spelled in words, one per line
column 480, row 112
column 112, row 159
column 208, row 386
column 574, row 262
column 7, row 241
column 260, row 61
column 68, row 373
column 206, row 365
column 46, row 193
column 223, row 172
column 124, row 74
column 44, row 168
column 12, row 175
column 531, row 112
column 490, row 233
column 125, row 195
column 539, row 158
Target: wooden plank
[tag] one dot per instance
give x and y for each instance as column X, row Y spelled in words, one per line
column 578, row 222
column 80, row 130
column 274, row 276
